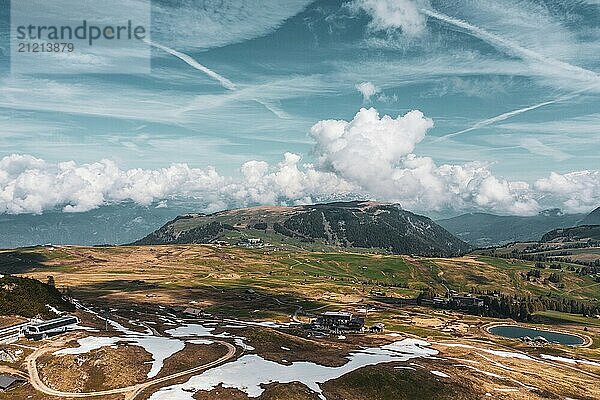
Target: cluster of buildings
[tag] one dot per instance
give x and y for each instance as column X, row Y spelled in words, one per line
column 33, row 330
column 338, row 322
column 455, row 301
column 36, row 329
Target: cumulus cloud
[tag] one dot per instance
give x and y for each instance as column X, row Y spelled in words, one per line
column 370, row 156
column 376, row 153
column 367, row 149
column 577, row 191
column 388, row 15
column 31, row 185
column 368, row 90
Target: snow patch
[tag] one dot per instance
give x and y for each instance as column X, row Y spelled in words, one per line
column 569, row 360
column 250, row 372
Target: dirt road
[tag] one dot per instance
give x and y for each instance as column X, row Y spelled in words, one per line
column 129, row 392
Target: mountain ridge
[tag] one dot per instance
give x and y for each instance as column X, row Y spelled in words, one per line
column 485, row 229
column 357, row 224
column 593, row 218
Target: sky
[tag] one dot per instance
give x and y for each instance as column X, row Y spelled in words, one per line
column 441, row 106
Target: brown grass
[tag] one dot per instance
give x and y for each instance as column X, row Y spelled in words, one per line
column 102, row 369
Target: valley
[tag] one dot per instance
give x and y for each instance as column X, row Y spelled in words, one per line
column 251, row 306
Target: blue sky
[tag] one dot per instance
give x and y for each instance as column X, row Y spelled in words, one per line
column 509, row 84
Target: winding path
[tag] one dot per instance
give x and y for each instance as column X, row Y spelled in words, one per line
column 130, row 392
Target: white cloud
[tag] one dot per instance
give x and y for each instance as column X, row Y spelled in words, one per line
column 366, row 149
column 368, row 90
column 392, row 14
column 368, row 157
column 204, row 24
column 31, row 185
column 548, row 50
column 377, row 155
column 536, row 146
column 577, row 191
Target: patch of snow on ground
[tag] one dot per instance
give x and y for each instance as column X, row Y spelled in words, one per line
column 192, row 330
column 88, row 344
column 499, row 353
column 200, row 341
column 240, row 342
column 199, row 330
column 482, row 371
column 508, row 354
column 159, row 347
column 78, row 327
column 569, row 360
column 249, row 372
column 440, row 374
column 53, row 309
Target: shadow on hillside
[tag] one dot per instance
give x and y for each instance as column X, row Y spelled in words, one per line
column 17, row 262
column 227, row 301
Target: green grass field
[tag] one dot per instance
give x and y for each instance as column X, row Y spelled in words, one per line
column 186, row 272
column 561, row 317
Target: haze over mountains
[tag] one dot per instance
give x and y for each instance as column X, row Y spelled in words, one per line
column 481, row 229
column 592, row 218
column 110, row 224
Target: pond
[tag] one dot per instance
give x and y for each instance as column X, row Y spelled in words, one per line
column 517, row 332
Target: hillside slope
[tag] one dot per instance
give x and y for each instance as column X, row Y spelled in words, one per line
column 109, row 224
column 592, row 218
column 29, row 297
column 366, row 225
column 481, row 229
column 577, row 233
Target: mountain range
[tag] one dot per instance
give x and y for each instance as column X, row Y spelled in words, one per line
column 575, row 233
column 348, row 225
column 110, row 224
column 592, row 218
column 128, row 222
column 481, row 229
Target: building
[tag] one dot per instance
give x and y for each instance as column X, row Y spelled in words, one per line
column 455, row 301
column 12, row 333
column 466, row 302
column 377, row 328
column 333, row 319
column 338, row 322
column 194, row 312
column 44, row 329
column 8, row 382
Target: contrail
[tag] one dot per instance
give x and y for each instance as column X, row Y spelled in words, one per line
column 501, row 117
column 278, row 113
column 510, row 46
column 226, row 83
column 515, row 49
column 511, row 114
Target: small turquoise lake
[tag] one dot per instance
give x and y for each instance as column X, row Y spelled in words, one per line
column 517, row 332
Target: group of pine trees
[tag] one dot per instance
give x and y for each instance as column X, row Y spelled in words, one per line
column 29, row 297
column 519, row 308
